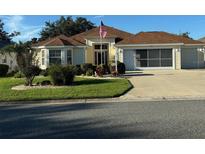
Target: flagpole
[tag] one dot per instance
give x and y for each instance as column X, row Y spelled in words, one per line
column 101, row 49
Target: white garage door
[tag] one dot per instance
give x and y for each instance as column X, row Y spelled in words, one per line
column 191, row 58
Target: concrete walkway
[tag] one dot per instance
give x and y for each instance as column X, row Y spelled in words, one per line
column 167, row 84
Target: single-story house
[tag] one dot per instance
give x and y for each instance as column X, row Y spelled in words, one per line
column 145, row 50
column 8, row 58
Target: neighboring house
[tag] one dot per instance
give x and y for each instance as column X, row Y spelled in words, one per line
column 202, row 39
column 145, row 50
column 8, row 58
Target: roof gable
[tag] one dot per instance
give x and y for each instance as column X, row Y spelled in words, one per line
column 94, row 33
column 60, row 40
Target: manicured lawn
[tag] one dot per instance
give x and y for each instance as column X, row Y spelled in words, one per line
column 82, row 88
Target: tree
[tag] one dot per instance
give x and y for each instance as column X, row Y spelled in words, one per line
column 25, row 57
column 6, row 38
column 66, row 26
column 30, row 72
column 186, row 34
column 3, row 34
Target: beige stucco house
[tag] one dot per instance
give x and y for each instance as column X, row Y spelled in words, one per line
column 145, row 50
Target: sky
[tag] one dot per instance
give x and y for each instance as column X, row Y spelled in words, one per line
column 30, row 26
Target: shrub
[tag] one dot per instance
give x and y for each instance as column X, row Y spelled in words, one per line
column 100, row 70
column 85, row 67
column 30, row 72
column 106, row 69
column 11, row 74
column 94, row 68
column 89, row 72
column 3, row 70
column 62, row 75
column 69, row 72
column 112, row 67
column 114, row 73
column 121, row 68
column 19, row 74
column 45, row 83
column 78, row 70
column 56, row 74
column 44, row 72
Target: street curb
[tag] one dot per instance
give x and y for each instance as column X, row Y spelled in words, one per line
column 103, row 100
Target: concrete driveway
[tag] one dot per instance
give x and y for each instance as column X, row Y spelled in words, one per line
column 167, row 84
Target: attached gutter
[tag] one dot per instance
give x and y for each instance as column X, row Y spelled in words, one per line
column 41, row 47
column 194, row 44
column 145, row 45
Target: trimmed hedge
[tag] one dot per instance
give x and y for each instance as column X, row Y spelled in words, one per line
column 44, row 72
column 121, row 68
column 78, row 70
column 69, row 72
column 89, row 72
column 3, row 70
column 62, row 75
column 85, row 67
column 19, row 75
column 56, row 74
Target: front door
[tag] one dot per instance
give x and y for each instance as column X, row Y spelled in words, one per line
column 101, row 54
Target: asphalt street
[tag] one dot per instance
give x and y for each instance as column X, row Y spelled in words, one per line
column 116, row 120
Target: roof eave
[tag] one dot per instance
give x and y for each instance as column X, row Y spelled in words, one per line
column 144, row 45
column 62, row 46
column 201, row 44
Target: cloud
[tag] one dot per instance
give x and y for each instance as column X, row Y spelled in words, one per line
column 98, row 17
column 16, row 23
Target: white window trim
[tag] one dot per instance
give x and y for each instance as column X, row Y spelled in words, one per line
column 54, row 50
column 99, row 50
column 43, row 56
column 67, row 56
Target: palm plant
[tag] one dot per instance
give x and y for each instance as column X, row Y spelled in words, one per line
column 25, row 58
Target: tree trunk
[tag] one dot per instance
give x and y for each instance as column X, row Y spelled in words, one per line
column 29, row 81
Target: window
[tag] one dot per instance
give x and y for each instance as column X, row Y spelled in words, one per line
column 43, row 57
column 4, row 60
column 69, row 57
column 54, row 56
column 101, row 54
column 98, row 46
column 154, row 58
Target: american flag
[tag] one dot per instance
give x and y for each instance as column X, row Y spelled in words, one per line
column 102, row 31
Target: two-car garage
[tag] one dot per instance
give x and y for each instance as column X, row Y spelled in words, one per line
column 162, row 50
column 164, row 58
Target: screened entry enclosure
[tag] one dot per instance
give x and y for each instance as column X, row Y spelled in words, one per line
column 154, row 58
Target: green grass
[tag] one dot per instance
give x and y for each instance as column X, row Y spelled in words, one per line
column 82, row 88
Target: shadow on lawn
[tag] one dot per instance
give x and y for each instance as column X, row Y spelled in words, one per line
column 76, row 121
column 141, row 74
column 89, row 82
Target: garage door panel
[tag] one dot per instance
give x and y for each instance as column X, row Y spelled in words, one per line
column 153, row 58
column 189, row 58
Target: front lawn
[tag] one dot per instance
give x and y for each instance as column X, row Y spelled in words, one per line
column 82, row 88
